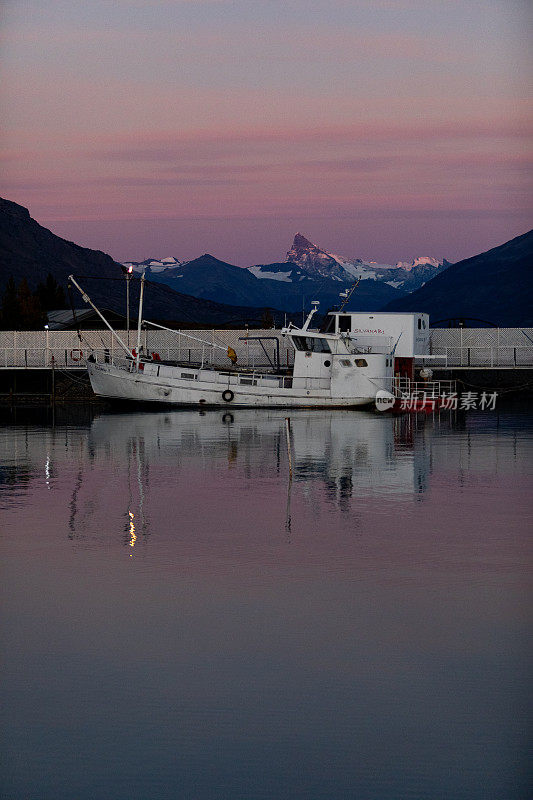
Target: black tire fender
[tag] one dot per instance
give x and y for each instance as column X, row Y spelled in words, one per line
column 227, row 395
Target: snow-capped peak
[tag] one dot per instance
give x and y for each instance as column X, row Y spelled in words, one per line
column 418, row 262
column 153, row 264
column 314, row 260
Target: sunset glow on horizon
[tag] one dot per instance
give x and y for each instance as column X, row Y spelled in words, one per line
column 380, row 129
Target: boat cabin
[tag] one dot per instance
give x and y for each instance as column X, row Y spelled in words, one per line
column 409, row 333
column 339, row 360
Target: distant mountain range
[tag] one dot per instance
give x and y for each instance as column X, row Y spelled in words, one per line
column 495, row 286
column 308, row 273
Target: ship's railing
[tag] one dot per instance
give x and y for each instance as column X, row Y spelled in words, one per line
column 511, row 356
column 229, row 378
column 429, row 389
column 246, row 379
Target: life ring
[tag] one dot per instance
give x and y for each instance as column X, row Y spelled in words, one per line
column 76, row 357
column 228, row 395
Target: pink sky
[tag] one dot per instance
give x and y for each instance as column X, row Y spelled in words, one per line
column 381, row 129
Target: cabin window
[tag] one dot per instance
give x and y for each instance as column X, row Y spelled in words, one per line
column 345, row 362
column 188, row 375
column 419, row 324
column 311, row 344
column 320, row 345
column 345, row 323
column 361, row 362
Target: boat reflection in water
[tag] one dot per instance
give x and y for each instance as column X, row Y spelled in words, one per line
column 336, row 456
column 129, row 471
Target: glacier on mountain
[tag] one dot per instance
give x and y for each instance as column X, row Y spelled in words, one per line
column 403, row 275
column 306, row 265
column 259, row 272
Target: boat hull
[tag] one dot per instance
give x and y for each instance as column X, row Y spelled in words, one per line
column 117, row 383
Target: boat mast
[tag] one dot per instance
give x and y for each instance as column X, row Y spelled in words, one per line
column 87, row 299
column 315, row 304
column 139, row 323
column 348, row 293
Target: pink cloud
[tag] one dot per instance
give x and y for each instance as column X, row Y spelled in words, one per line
column 203, row 144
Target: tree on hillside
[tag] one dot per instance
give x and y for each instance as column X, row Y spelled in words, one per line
column 10, row 311
column 267, row 320
column 51, row 294
column 31, row 313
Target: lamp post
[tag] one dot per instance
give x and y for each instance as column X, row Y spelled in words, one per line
column 47, row 354
column 128, row 277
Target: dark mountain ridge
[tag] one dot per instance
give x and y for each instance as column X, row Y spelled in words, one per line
column 208, row 278
column 30, row 251
column 495, row 286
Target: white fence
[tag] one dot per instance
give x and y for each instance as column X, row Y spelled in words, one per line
column 36, row 349
column 482, row 347
column 456, row 347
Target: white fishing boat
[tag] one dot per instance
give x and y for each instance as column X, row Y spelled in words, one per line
column 334, row 368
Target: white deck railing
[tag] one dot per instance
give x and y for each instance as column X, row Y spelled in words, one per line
column 475, row 357
column 430, row 389
column 232, row 378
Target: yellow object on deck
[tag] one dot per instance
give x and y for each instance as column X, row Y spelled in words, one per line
column 232, row 355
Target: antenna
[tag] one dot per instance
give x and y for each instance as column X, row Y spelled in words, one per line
column 315, row 304
column 347, row 293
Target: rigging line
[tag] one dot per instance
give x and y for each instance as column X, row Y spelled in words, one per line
column 83, row 381
column 169, row 293
column 191, row 318
column 101, row 277
column 166, row 290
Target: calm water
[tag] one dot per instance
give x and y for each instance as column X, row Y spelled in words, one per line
column 182, row 621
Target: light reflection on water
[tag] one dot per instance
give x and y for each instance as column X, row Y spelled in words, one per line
column 183, row 620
